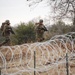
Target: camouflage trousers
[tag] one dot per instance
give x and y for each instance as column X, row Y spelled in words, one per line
column 39, row 37
column 6, row 41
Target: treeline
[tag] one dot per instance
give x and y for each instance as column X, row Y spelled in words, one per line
column 60, row 28
column 25, row 32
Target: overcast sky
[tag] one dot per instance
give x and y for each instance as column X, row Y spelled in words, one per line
column 18, row 11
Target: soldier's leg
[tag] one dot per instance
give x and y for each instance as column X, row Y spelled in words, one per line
column 41, row 38
column 7, row 41
column 37, row 37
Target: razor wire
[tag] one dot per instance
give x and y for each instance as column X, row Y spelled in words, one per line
column 50, row 57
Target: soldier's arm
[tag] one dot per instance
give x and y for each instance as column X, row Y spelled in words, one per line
column 4, row 29
column 11, row 30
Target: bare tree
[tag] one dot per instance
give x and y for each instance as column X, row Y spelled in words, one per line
column 62, row 8
column 65, row 9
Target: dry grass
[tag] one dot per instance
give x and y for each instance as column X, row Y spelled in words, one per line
column 46, row 54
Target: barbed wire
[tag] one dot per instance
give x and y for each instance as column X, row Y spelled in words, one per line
column 50, row 57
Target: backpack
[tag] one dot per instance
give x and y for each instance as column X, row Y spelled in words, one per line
column 2, row 26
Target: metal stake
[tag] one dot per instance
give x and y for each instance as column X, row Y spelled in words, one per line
column 0, row 71
column 34, row 62
column 67, row 65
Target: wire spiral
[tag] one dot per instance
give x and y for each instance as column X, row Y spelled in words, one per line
column 50, row 57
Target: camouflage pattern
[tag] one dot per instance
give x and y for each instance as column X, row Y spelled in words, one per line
column 40, row 29
column 6, row 33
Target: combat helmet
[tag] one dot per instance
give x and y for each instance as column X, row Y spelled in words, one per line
column 40, row 20
column 7, row 22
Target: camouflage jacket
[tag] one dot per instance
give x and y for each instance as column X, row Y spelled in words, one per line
column 7, row 30
column 41, row 29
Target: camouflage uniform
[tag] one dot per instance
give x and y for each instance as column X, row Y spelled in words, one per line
column 6, row 33
column 40, row 29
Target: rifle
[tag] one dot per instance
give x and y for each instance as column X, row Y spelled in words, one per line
column 45, row 29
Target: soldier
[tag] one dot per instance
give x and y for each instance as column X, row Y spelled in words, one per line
column 40, row 29
column 6, row 30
